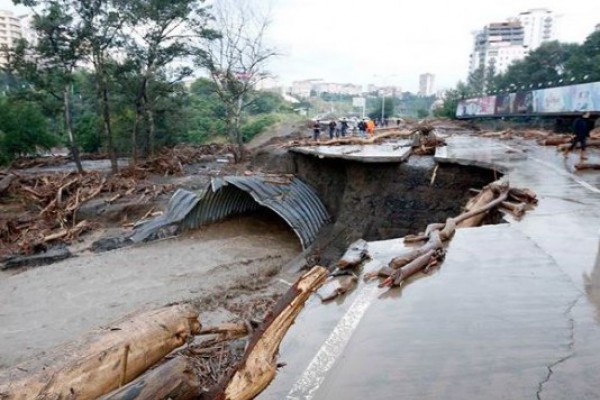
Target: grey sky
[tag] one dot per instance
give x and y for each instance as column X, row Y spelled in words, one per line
column 341, row 40
column 393, row 41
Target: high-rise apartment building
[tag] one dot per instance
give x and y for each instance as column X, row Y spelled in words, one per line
column 426, row 84
column 13, row 28
column 539, row 25
column 499, row 44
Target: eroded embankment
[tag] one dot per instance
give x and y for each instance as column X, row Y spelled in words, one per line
column 380, row 201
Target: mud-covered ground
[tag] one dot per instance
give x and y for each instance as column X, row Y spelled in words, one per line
column 46, row 306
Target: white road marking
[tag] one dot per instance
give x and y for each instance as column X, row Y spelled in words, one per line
column 315, row 373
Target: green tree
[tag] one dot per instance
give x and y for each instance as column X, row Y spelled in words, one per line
column 451, row 99
column 57, row 52
column 101, row 31
column 585, row 60
column 24, row 129
column 389, row 106
column 157, row 38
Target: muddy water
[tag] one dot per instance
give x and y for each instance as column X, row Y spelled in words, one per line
column 49, row 305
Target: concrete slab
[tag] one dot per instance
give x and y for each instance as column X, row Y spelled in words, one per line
column 392, row 151
column 513, row 313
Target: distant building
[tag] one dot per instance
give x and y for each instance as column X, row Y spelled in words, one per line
column 305, row 87
column 13, row 28
column 539, row 25
column 426, row 84
column 384, row 90
column 499, row 44
column 10, row 32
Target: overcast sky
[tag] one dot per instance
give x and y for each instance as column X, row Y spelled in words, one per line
column 341, row 40
column 393, row 41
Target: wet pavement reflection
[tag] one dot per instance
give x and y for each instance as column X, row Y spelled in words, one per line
column 513, row 312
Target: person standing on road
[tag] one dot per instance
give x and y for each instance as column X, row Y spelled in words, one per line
column 331, row 128
column 344, row 126
column 370, row 127
column 362, row 127
column 338, row 128
column 581, row 128
column 316, row 130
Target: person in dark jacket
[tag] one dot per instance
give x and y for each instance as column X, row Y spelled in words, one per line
column 581, row 128
column 316, row 130
column 332, row 125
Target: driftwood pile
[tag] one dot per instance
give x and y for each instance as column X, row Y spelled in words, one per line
column 424, row 139
column 430, row 245
column 128, row 360
column 170, row 161
column 48, row 205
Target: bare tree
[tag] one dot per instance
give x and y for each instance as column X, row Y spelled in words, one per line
column 236, row 59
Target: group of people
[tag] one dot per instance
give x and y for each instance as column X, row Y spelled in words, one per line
column 341, row 127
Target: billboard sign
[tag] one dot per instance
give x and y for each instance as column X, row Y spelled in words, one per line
column 557, row 100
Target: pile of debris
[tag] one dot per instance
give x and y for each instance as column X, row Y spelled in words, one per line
column 134, row 358
column 43, row 207
column 170, row 161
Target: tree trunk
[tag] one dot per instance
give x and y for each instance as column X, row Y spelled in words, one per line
column 151, row 130
column 176, row 379
column 105, row 359
column 108, row 126
column 136, row 123
column 69, row 128
column 258, row 366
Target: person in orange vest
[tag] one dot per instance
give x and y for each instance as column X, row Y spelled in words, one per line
column 370, row 127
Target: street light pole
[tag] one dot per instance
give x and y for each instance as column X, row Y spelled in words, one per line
column 382, row 105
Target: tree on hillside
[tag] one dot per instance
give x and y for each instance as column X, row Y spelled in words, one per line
column 158, row 37
column 236, row 58
column 101, row 32
column 545, row 64
column 585, row 60
column 389, row 108
column 49, row 65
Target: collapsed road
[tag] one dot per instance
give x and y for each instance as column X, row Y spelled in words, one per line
column 442, row 323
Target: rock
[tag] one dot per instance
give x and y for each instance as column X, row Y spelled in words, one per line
column 51, row 256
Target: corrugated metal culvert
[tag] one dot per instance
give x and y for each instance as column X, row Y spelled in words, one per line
column 293, row 200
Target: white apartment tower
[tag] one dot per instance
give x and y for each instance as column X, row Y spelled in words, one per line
column 539, row 26
column 13, row 28
column 426, row 84
column 499, row 44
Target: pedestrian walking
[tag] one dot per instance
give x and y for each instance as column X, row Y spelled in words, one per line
column 581, row 128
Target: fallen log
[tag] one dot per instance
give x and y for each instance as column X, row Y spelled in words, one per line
column 434, row 242
column 473, row 215
column 357, row 252
column 5, row 182
column 177, row 378
column 343, row 285
column 582, row 166
column 414, row 260
column 258, row 366
column 589, row 143
column 105, row 359
column 555, row 140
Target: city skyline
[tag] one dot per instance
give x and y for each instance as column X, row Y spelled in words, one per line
column 338, row 42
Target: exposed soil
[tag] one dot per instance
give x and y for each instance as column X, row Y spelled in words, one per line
column 379, row 201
